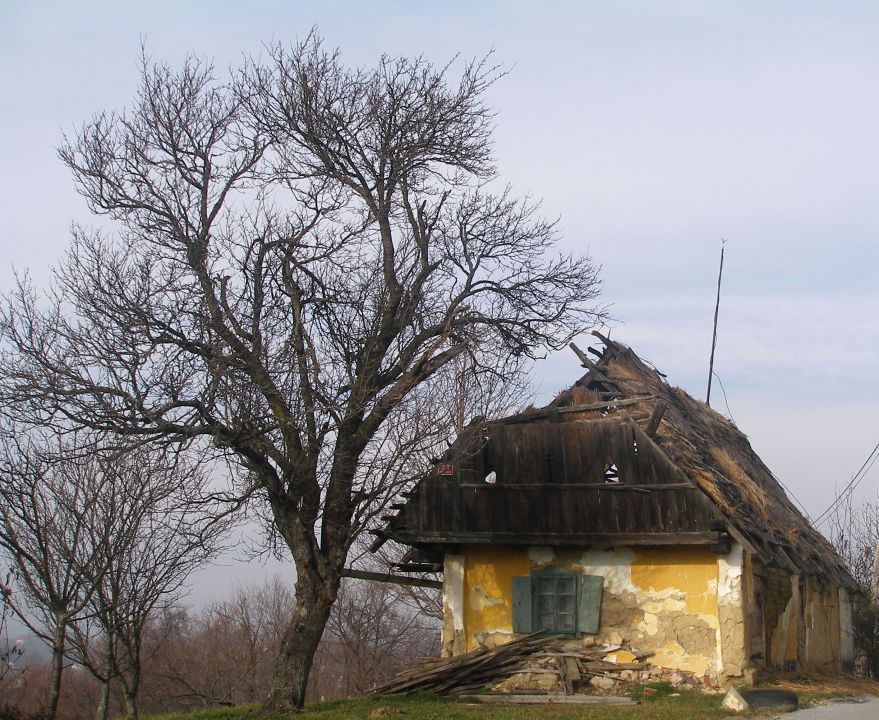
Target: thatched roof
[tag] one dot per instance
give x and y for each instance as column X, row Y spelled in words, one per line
column 619, row 458
column 715, row 454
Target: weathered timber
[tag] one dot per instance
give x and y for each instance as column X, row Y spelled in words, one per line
column 464, row 673
column 391, row 578
column 573, row 539
column 527, row 417
column 577, row 486
column 421, row 567
column 582, row 480
column 572, row 669
column 655, row 419
column 563, row 673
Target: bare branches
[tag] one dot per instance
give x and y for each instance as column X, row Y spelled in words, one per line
column 149, row 535
column 302, row 250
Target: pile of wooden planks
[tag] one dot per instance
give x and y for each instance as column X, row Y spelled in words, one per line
column 577, row 667
column 481, row 668
column 468, row 672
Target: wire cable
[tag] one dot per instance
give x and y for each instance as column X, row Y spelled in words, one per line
column 852, row 484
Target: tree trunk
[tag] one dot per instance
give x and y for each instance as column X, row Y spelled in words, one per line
column 104, row 706
column 299, row 644
column 56, row 669
column 130, row 706
column 132, row 687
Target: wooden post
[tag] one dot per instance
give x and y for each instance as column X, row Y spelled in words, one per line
column 714, row 334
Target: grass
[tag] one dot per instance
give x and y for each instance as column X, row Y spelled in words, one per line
column 657, row 701
column 666, row 704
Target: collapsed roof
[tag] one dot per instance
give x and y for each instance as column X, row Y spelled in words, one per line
column 620, row 458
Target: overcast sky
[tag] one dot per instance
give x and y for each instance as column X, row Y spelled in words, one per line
column 652, row 130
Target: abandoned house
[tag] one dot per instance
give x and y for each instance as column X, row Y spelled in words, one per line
column 626, row 512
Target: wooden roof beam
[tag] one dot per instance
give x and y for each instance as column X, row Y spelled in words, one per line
column 391, row 578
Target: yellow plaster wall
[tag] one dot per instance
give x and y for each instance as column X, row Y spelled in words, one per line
column 691, row 572
column 668, row 601
column 664, row 600
column 677, row 591
column 488, row 592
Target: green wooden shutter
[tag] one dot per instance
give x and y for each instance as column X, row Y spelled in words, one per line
column 522, row 604
column 589, row 603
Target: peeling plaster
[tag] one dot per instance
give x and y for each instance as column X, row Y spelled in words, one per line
column 479, row 599
column 615, row 566
column 661, row 601
column 729, row 577
column 540, row 555
column 488, row 589
column 731, row 640
column 453, row 605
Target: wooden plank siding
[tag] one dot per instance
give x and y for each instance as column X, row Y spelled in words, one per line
column 551, row 489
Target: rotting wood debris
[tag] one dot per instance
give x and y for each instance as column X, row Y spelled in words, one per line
column 532, row 655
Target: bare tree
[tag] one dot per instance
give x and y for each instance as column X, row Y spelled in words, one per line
column 150, row 533
column 10, row 653
column 371, row 636
column 222, row 656
column 301, row 249
column 854, row 532
column 47, row 493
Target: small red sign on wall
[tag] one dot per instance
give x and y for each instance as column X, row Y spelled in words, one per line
column 445, row 469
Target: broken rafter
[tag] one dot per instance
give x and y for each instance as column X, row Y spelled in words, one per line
column 595, row 375
column 583, row 357
column 655, row 419
column 381, row 537
column 608, row 343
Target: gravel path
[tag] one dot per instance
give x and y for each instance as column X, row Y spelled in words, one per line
column 864, row 707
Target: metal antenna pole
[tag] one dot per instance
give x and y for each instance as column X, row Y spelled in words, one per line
column 714, row 336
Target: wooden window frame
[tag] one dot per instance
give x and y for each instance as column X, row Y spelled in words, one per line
column 587, row 601
column 555, row 573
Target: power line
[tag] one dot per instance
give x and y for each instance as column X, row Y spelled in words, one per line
column 853, row 483
column 793, row 497
column 725, row 401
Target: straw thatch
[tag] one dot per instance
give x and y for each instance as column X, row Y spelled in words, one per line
column 717, row 456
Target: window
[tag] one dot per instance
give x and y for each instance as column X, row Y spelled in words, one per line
column 557, row 600
column 555, row 595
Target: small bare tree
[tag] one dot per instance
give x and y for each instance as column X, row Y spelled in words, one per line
column 301, row 249
column 10, row 652
column 224, row 655
column 47, row 492
column 371, row 636
column 150, row 532
column 854, row 532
